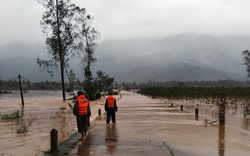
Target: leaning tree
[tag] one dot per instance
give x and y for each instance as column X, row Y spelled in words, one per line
column 86, row 46
column 69, row 32
column 59, row 25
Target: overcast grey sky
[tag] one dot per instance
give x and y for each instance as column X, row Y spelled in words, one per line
column 20, row 19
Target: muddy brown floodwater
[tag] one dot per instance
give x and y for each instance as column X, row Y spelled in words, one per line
column 185, row 134
column 43, row 111
column 190, row 136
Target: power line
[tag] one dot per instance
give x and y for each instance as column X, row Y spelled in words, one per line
column 16, row 78
column 26, row 79
column 11, row 79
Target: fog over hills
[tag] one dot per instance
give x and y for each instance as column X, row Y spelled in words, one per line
column 184, row 57
column 181, row 57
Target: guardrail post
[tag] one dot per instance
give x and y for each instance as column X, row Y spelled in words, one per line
column 99, row 112
column 53, row 140
column 196, row 111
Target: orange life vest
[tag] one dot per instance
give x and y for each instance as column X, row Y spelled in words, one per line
column 82, row 105
column 111, row 101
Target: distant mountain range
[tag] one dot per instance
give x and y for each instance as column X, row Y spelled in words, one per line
column 184, row 57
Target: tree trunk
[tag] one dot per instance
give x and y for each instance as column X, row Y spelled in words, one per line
column 60, row 52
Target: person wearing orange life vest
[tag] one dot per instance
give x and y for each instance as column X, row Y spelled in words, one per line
column 110, row 108
column 82, row 112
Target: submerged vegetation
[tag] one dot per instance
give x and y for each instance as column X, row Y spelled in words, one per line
column 235, row 96
column 195, row 92
column 22, row 124
column 14, row 115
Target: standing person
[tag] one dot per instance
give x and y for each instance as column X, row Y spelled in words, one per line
column 82, row 112
column 110, row 108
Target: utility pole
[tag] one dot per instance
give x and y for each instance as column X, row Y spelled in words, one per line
column 21, row 90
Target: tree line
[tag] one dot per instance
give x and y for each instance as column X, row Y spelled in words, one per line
column 169, row 84
column 102, row 82
column 195, row 92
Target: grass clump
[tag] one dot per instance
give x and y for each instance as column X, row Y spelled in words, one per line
column 22, row 129
column 24, row 125
column 14, row 115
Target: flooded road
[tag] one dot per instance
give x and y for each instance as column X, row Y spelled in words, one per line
column 144, row 126
column 154, row 127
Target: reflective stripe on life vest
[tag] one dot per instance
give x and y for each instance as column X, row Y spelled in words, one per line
column 111, row 101
column 82, row 105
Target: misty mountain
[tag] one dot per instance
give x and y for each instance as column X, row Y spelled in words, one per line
column 25, row 66
column 184, row 57
column 20, row 49
column 20, row 58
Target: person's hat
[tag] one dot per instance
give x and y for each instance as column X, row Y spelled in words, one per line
column 80, row 92
column 110, row 93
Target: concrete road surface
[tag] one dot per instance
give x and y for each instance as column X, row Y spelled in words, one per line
column 157, row 127
column 132, row 135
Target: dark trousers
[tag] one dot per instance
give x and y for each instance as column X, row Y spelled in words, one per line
column 110, row 113
column 82, row 123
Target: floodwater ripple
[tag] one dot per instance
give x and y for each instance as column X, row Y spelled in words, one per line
column 41, row 113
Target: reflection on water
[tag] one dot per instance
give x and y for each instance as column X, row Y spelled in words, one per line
column 197, row 117
column 245, row 124
column 111, row 148
column 233, row 116
column 84, row 148
column 111, row 138
column 234, row 137
column 221, row 140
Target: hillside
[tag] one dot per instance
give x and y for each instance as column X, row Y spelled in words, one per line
column 184, row 57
